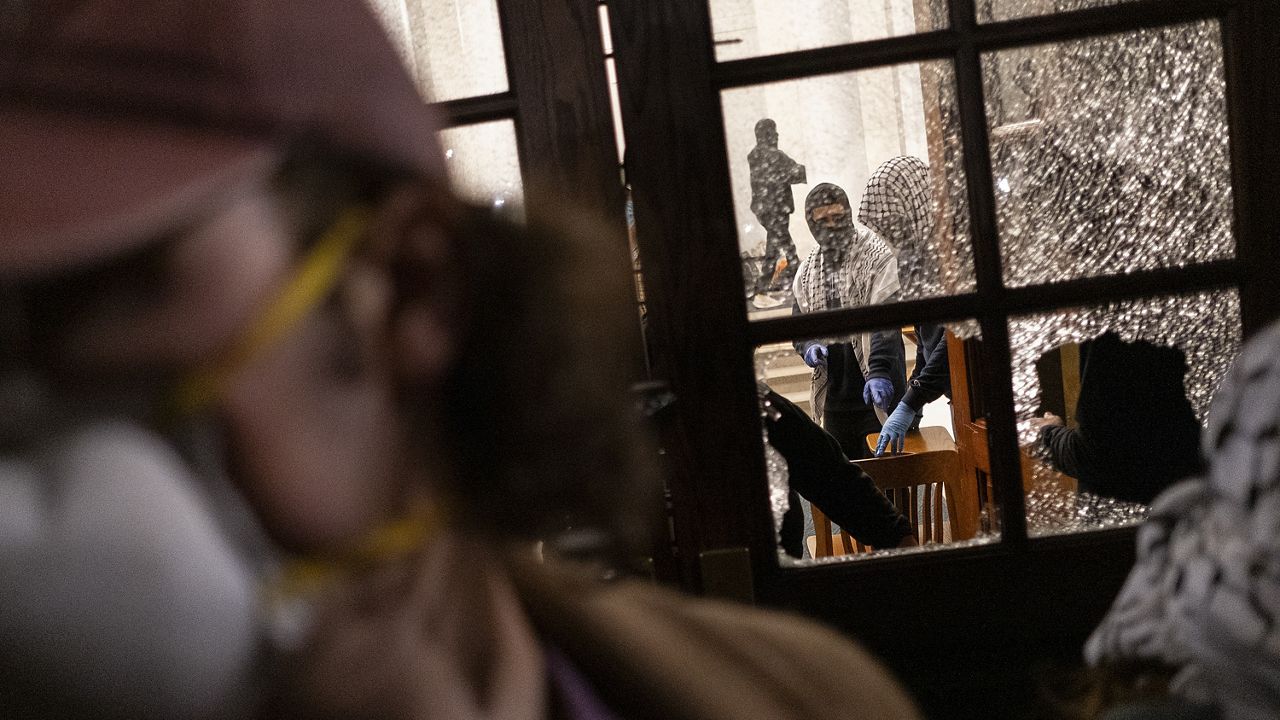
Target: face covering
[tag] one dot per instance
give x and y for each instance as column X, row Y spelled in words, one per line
column 835, row 233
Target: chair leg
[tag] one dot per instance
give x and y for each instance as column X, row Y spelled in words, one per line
column 939, row 535
column 822, row 529
column 926, row 527
column 848, row 545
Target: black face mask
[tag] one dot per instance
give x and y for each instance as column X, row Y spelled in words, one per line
column 832, row 233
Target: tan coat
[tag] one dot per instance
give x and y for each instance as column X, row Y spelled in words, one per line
column 652, row 653
column 460, row 632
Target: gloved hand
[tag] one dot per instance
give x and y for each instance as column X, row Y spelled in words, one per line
column 894, row 432
column 878, row 392
column 815, row 355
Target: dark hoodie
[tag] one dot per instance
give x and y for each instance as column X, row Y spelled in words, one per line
column 1137, row 433
column 840, row 273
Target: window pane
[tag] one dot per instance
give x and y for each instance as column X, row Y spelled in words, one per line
column 750, row 28
column 1111, row 400
column 453, row 47
column 875, row 155
column 1110, row 154
column 825, row 401
column 483, row 164
column 995, row 10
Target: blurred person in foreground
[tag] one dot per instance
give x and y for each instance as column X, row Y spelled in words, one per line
column 279, row 416
column 1193, row 633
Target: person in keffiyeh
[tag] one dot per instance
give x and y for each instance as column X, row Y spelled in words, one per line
column 1204, row 595
column 898, row 206
column 851, row 267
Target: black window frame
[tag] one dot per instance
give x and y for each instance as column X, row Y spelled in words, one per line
column 670, row 84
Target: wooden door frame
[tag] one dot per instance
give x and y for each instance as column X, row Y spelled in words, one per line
column 1030, row 589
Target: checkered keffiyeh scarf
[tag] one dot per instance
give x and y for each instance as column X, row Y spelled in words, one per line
column 848, row 272
column 858, row 271
column 898, row 206
column 845, row 277
column 1204, row 594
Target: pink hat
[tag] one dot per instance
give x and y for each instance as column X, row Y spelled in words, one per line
column 119, row 118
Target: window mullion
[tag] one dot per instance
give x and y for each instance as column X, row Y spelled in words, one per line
column 479, row 109
column 1006, row 462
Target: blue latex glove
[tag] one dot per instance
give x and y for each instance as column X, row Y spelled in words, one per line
column 878, row 392
column 894, row 432
column 815, row 355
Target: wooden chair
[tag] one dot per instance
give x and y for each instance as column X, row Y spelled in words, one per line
column 913, row 481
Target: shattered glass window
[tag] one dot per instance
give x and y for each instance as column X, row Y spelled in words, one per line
column 824, row 403
column 849, row 189
column 1110, row 154
column 751, row 28
column 453, row 48
column 1111, row 401
column 484, row 165
column 996, row 10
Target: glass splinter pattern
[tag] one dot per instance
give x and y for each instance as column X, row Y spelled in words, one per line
column 1110, row 154
column 830, row 172
column 815, row 416
column 997, row 10
column 1204, row 327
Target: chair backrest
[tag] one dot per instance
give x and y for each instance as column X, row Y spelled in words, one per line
column 914, row 482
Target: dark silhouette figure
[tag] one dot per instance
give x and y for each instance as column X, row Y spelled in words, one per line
column 772, row 175
column 1136, row 433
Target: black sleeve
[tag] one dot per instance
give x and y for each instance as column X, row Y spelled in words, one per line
column 888, row 355
column 792, row 170
column 931, row 378
column 1069, row 451
column 819, row 471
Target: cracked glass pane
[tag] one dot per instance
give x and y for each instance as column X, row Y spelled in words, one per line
column 484, row 166
column 828, row 405
column 751, row 28
column 849, row 189
column 1110, row 154
column 1111, row 401
column 452, row 47
column 996, row 10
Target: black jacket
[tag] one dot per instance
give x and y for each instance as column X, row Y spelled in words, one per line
column 1136, row 432
column 888, row 360
column 931, row 378
column 773, row 173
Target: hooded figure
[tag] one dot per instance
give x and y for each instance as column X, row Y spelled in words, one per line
column 898, row 206
column 851, row 267
column 230, row 264
column 772, row 175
